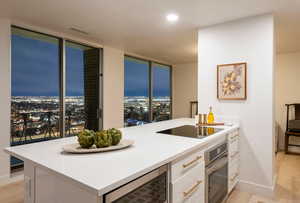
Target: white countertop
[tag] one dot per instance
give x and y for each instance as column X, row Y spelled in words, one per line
column 103, row 172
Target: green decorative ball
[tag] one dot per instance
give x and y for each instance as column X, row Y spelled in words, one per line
column 103, row 139
column 116, row 135
column 86, row 138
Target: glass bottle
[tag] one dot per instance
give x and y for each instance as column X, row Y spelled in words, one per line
column 210, row 117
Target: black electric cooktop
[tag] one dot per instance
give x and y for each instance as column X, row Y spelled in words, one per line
column 191, row 131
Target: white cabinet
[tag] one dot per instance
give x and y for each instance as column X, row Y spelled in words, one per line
column 44, row 186
column 234, row 154
column 233, row 175
column 190, row 187
column 188, row 179
column 184, row 165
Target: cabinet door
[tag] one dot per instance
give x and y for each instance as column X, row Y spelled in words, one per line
column 190, row 187
column 233, row 145
column 233, row 150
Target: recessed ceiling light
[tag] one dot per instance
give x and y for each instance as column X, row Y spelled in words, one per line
column 172, row 17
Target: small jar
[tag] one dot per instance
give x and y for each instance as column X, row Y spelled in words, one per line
column 204, row 119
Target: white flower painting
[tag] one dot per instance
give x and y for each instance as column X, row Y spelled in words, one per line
column 232, row 81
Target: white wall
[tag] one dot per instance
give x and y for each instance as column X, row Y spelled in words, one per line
column 248, row 40
column 4, row 95
column 184, row 88
column 113, row 93
column 287, row 88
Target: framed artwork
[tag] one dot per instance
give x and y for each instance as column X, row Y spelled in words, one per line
column 232, row 81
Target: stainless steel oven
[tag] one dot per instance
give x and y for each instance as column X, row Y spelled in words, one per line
column 150, row 188
column 216, row 173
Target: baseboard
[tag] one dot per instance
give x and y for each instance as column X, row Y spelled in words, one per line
column 258, row 189
column 4, row 177
column 7, row 179
column 274, row 183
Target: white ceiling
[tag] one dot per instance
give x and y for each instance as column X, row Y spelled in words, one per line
column 139, row 26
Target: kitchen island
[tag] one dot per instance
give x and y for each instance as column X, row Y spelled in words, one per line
column 57, row 177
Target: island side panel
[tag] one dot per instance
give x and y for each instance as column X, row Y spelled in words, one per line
column 50, row 188
column 29, row 182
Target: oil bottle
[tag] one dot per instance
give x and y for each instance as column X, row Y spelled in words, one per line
column 210, row 117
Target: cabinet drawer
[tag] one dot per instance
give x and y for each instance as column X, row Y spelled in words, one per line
column 234, row 157
column 190, row 187
column 233, row 147
column 233, row 144
column 184, row 165
column 233, row 135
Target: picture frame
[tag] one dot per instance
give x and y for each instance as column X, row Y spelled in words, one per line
column 232, row 81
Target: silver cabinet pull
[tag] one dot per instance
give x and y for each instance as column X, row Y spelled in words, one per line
column 233, row 137
column 192, row 189
column 191, row 162
column 234, row 177
column 236, row 153
column 233, row 140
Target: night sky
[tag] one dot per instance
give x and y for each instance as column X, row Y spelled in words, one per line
column 35, row 68
column 35, row 71
column 137, row 79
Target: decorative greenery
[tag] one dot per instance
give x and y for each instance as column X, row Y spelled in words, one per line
column 103, row 139
column 116, row 135
column 86, row 138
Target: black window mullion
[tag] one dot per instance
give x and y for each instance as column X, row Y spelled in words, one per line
column 62, row 84
column 171, row 92
column 150, row 92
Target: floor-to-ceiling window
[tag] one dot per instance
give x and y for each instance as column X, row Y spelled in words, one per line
column 147, row 91
column 137, row 91
column 82, row 88
column 34, row 88
column 54, row 88
column 161, row 93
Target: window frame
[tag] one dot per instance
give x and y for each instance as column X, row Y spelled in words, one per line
column 150, row 85
column 62, row 77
